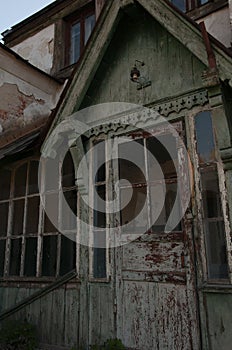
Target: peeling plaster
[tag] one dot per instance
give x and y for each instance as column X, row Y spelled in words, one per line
column 39, row 48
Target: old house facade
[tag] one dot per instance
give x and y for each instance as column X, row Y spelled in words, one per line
column 118, row 67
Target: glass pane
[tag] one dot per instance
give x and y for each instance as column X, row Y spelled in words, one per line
column 180, row 4
column 75, row 42
column 51, row 222
column 5, row 179
column 99, row 161
column 67, row 256
column 130, row 212
column 99, row 255
column 15, row 257
column 51, row 182
column 68, row 173
column 20, row 181
column 129, row 170
column 30, row 257
column 216, row 250
column 32, row 215
column 89, row 24
column 99, row 216
column 69, row 221
column 158, row 191
column 33, row 177
column 49, row 255
column 211, row 194
column 158, row 151
column 204, row 137
column 2, row 256
column 4, row 207
column 18, row 216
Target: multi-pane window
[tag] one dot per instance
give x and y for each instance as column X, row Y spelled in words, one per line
column 78, row 29
column 213, row 221
column 30, row 245
column 187, row 5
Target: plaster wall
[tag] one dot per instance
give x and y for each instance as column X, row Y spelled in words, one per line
column 39, row 48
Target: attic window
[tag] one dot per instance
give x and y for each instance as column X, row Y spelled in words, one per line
column 78, row 29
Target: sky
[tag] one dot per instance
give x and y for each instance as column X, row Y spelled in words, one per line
column 14, row 11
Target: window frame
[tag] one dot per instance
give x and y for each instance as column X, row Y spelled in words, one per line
column 39, row 235
column 78, row 16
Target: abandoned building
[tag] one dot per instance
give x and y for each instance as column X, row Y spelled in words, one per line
column 165, row 289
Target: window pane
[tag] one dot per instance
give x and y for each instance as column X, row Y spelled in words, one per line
column 2, row 256
column 4, row 207
column 15, row 257
column 89, row 24
column 180, row 4
column 69, row 221
column 49, row 255
column 99, row 215
column 75, row 42
column 30, row 257
column 18, row 214
column 99, row 161
column 68, row 173
column 67, row 256
column 99, row 255
column 20, row 181
column 158, row 150
column 216, row 250
column 204, row 137
column 51, row 183
column 32, row 215
column 211, row 194
column 33, row 177
column 51, row 222
column 5, row 179
column 130, row 212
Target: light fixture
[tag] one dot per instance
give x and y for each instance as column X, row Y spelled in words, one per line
column 136, row 76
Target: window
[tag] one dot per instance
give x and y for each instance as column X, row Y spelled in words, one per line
column 78, row 29
column 180, row 4
column 187, row 5
column 213, row 220
column 123, row 179
column 30, row 246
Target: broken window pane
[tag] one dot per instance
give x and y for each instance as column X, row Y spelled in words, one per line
column 5, row 180
column 99, row 256
column 18, row 216
column 205, row 137
column 33, row 177
column 20, row 181
column 32, row 215
column 15, row 257
column 30, row 257
column 67, row 256
column 4, row 207
column 2, row 256
column 49, row 256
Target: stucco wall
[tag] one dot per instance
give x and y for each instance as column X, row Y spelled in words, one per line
column 38, row 49
column 218, row 25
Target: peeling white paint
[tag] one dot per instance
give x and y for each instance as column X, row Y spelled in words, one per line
column 38, row 49
column 35, row 110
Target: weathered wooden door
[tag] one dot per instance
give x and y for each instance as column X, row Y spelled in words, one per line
column 155, row 284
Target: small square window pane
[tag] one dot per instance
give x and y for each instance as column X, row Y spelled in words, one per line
column 49, row 256
column 30, row 257
column 2, row 256
column 18, row 216
column 15, row 257
column 5, row 180
column 4, row 207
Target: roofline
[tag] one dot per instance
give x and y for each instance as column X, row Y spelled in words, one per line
column 20, row 58
column 60, row 106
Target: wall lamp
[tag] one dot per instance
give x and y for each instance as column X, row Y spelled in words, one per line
column 137, row 77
